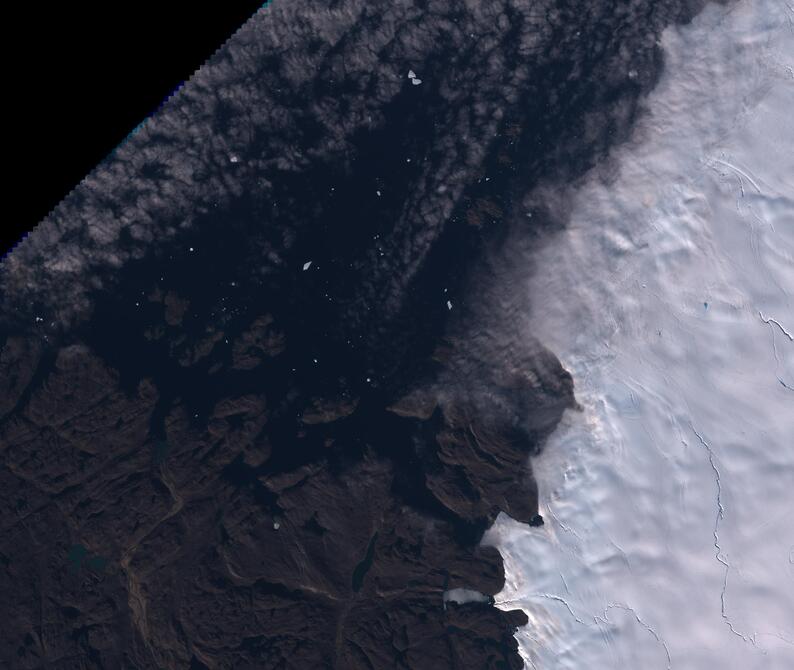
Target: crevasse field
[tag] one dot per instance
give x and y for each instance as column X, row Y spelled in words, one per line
column 669, row 498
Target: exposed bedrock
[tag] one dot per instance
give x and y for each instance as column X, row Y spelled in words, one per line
column 264, row 374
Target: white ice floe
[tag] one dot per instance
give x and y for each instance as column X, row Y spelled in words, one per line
column 307, row 265
column 669, row 498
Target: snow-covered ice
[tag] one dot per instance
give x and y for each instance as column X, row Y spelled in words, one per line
column 669, row 498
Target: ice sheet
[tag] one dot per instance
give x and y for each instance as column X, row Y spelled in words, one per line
column 669, row 499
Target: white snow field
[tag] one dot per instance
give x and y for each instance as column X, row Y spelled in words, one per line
column 669, row 498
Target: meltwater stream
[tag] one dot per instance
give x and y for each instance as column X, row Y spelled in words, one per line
column 669, row 498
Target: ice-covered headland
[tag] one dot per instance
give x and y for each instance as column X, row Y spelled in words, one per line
column 669, row 498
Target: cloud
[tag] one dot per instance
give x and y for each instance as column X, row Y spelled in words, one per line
column 298, row 89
